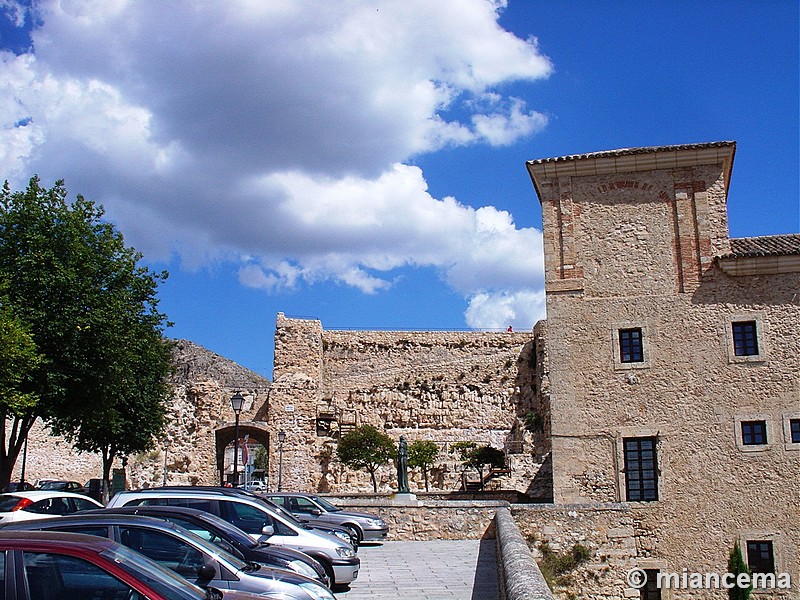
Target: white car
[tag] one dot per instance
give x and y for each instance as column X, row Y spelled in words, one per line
column 40, row 504
column 256, row 485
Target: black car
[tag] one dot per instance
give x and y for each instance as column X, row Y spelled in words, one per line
column 230, row 538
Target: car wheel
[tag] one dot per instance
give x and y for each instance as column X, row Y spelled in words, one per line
column 355, row 532
column 328, row 571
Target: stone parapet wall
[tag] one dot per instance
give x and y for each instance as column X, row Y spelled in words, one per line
column 429, row 519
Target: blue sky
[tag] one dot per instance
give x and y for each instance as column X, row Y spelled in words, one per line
column 363, row 162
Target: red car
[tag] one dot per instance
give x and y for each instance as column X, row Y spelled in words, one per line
column 42, row 565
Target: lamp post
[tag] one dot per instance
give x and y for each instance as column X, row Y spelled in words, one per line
column 237, row 400
column 281, row 439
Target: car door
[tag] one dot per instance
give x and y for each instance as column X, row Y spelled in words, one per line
column 171, row 552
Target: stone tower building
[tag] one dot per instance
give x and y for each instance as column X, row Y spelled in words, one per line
column 674, row 357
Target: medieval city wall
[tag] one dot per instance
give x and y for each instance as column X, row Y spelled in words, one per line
column 441, row 386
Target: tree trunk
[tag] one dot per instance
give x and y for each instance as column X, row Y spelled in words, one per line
column 374, row 481
column 108, row 459
column 12, row 443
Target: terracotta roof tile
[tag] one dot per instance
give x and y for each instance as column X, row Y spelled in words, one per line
column 629, row 151
column 768, row 245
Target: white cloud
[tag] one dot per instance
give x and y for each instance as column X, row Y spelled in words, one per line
column 279, row 131
column 520, row 309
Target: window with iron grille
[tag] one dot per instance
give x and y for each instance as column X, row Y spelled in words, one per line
column 794, row 429
column 641, row 469
column 630, row 345
column 754, row 433
column 745, row 338
column 760, row 557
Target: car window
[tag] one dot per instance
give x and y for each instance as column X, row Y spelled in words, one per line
column 303, row 505
column 279, row 500
column 193, row 527
column 50, row 506
column 168, row 551
column 96, row 530
column 57, row 576
column 197, row 503
column 7, row 502
column 79, row 504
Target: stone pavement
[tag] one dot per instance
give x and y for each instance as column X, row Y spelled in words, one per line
column 436, row 570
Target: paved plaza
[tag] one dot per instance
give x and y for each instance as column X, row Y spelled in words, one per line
column 437, row 570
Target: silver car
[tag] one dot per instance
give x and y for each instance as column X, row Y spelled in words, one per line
column 314, row 509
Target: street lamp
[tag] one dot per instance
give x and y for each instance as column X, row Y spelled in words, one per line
column 281, row 439
column 237, row 400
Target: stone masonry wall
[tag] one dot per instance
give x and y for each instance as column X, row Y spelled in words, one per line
column 439, row 386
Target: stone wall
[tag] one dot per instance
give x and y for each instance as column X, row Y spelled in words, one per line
column 441, row 386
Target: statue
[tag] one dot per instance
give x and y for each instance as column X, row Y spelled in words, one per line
column 402, row 467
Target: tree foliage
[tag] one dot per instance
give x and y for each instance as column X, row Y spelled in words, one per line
column 91, row 312
column 366, row 448
column 478, row 457
column 737, row 565
column 422, row 454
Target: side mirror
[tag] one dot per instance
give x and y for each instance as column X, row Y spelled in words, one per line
column 316, row 512
column 206, row 572
column 268, row 530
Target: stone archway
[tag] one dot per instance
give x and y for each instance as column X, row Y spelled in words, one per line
column 224, row 436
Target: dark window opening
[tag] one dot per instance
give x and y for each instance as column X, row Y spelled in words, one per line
column 754, row 433
column 760, row 557
column 630, row 345
column 641, row 469
column 745, row 340
column 650, row 590
column 794, row 428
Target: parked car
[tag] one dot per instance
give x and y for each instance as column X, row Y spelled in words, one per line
column 260, row 519
column 191, row 557
column 70, row 565
column 19, row 486
column 256, row 485
column 40, row 504
column 310, row 507
column 221, row 533
column 63, row 486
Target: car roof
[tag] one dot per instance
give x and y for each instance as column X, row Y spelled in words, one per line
column 44, row 494
column 93, row 516
column 90, row 543
column 194, row 489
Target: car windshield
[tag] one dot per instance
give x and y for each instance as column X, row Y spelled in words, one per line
column 220, row 555
column 53, row 485
column 325, row 504
column 282, row 512
column 210, row 523
column 167, row 583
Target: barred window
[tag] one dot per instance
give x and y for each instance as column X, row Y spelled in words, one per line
column 641, row 469
column 631, row 348
column 745, row 338
column 754, row 433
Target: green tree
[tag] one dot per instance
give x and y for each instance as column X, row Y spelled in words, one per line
column 366, row 448
column 92, row 312
column 478, row 457
column 19, row 359
column 422, row 454
column 737, row 565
